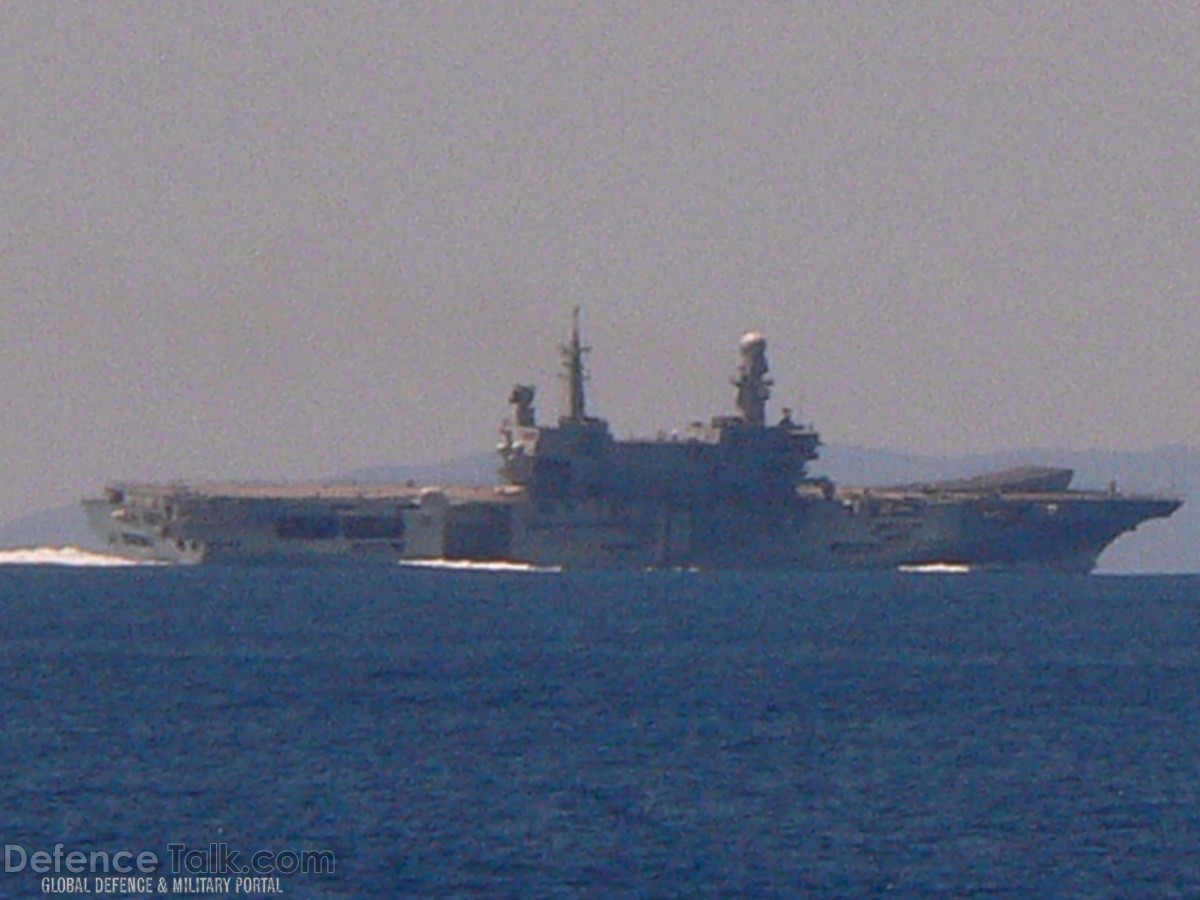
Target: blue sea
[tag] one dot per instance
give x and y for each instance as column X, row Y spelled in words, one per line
column 490, row 734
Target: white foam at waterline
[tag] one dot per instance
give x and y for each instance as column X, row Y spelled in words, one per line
column 477, row 566
column 938, row 568
column 64, row 556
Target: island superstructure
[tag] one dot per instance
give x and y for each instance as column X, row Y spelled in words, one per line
column 733, row 493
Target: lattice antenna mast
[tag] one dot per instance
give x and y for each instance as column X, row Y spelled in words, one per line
column 574, row 372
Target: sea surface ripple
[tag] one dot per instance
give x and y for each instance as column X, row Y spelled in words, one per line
column 460, row 733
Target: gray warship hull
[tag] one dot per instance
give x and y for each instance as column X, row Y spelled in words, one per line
column 733, row 494
column 852, row 529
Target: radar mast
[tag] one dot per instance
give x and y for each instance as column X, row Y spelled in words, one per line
column 574, row 372
column 753, row 385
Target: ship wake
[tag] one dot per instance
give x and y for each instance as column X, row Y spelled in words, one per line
column 937, row 568
column 478, row 566
column 64, row 556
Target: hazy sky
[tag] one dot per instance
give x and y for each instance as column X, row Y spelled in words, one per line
column 263, row 239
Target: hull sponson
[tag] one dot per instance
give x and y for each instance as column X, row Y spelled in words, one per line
column 813, row 529
column 294, row 524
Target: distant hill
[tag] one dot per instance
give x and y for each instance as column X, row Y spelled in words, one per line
column 1171, row 545
column 62, row 526
column 471, row 470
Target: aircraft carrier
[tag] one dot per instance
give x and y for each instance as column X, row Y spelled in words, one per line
column 733, row 493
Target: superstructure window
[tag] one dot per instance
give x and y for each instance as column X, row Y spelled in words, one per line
column 309, row 528
column 373, row 527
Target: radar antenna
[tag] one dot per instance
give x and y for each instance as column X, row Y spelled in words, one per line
column 754, row 387
column 522, row 400
column 574, row 371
